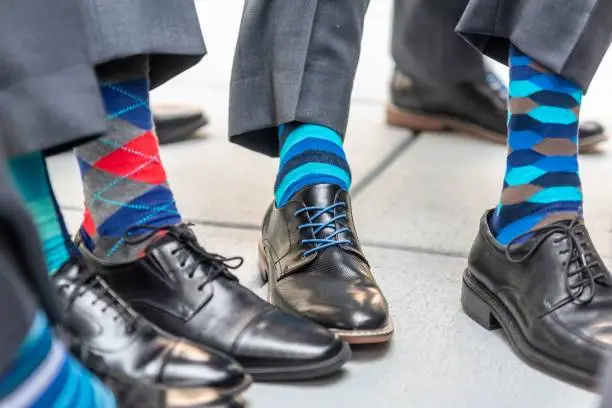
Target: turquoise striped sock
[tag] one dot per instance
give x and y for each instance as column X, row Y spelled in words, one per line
column 44, row 375
column 30, row 175
column 309, row 155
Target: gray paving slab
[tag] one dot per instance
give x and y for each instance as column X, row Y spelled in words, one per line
column 439, row 358
column 435, row 193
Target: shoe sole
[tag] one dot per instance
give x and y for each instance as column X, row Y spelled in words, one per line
column 133, row 395
column 421, row 122
column 302, row 372
column 485, row 308
column 374, row 336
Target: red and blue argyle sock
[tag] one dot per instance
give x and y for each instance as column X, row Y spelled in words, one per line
column 124, row 181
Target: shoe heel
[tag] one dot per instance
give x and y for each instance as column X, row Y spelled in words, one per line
column 263, row 265
column 477, row 308
column 412, row 121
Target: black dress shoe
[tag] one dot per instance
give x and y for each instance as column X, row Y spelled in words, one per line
column 143, row 366
column 476, row 108
column 311, row 256
column 190, row 293
column 175, row 123
column 551, row 295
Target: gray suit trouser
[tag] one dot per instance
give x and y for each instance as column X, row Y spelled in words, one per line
column 49, row 95
column 568, row 37
column 296, row 61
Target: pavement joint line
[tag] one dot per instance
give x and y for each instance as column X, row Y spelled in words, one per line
column 415, row 249
column 384, row 164
column 245, row 226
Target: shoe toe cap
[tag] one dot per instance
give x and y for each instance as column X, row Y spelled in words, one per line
column 279, row 337
column 356, row 307
column 187, row 365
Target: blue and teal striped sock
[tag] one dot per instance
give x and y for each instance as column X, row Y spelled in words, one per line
column 30, row 176
column 542, row 183
column 43, row 374
column 309, row 155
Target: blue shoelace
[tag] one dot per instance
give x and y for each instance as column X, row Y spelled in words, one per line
column 317, row 227
column 497, row 85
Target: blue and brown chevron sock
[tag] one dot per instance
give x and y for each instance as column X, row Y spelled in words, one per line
column 542, row 183
column 309, row 154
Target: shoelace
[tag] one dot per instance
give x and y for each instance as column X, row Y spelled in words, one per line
column 497, row 85
column 88, row 280
column 213, row 265
column 314, row 213
column 579, row 254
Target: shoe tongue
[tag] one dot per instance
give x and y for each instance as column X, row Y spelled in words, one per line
column 319, row 195
column 163, row 237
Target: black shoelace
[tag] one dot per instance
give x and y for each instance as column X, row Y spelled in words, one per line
column 338, row 214
column 213, row 265
column 579, row 255
column 89, row 281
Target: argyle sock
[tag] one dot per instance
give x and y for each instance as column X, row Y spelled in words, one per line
column 124, row 181
column 542, row 184
column 30, row 176
column 309, row 155
column 43, row 374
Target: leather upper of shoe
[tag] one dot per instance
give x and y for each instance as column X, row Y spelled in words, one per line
column 314, row 255
column 190, row 292
column 555, row 285
column 110, row 337
column 589, row 129
column 482, row 102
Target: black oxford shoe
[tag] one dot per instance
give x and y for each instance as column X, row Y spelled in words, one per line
column 143, row 367
column 190, row 293
column 311, row 256
column 476, row 108
column 551, row 295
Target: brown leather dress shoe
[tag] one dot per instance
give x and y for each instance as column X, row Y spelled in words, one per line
column 476, row 108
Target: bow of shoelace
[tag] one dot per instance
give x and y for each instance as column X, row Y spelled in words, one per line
column 212, row 265
column 318, row 227
column 583, row 278
column 89, row 281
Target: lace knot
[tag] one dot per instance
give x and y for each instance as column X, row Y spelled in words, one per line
column 212, row 265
